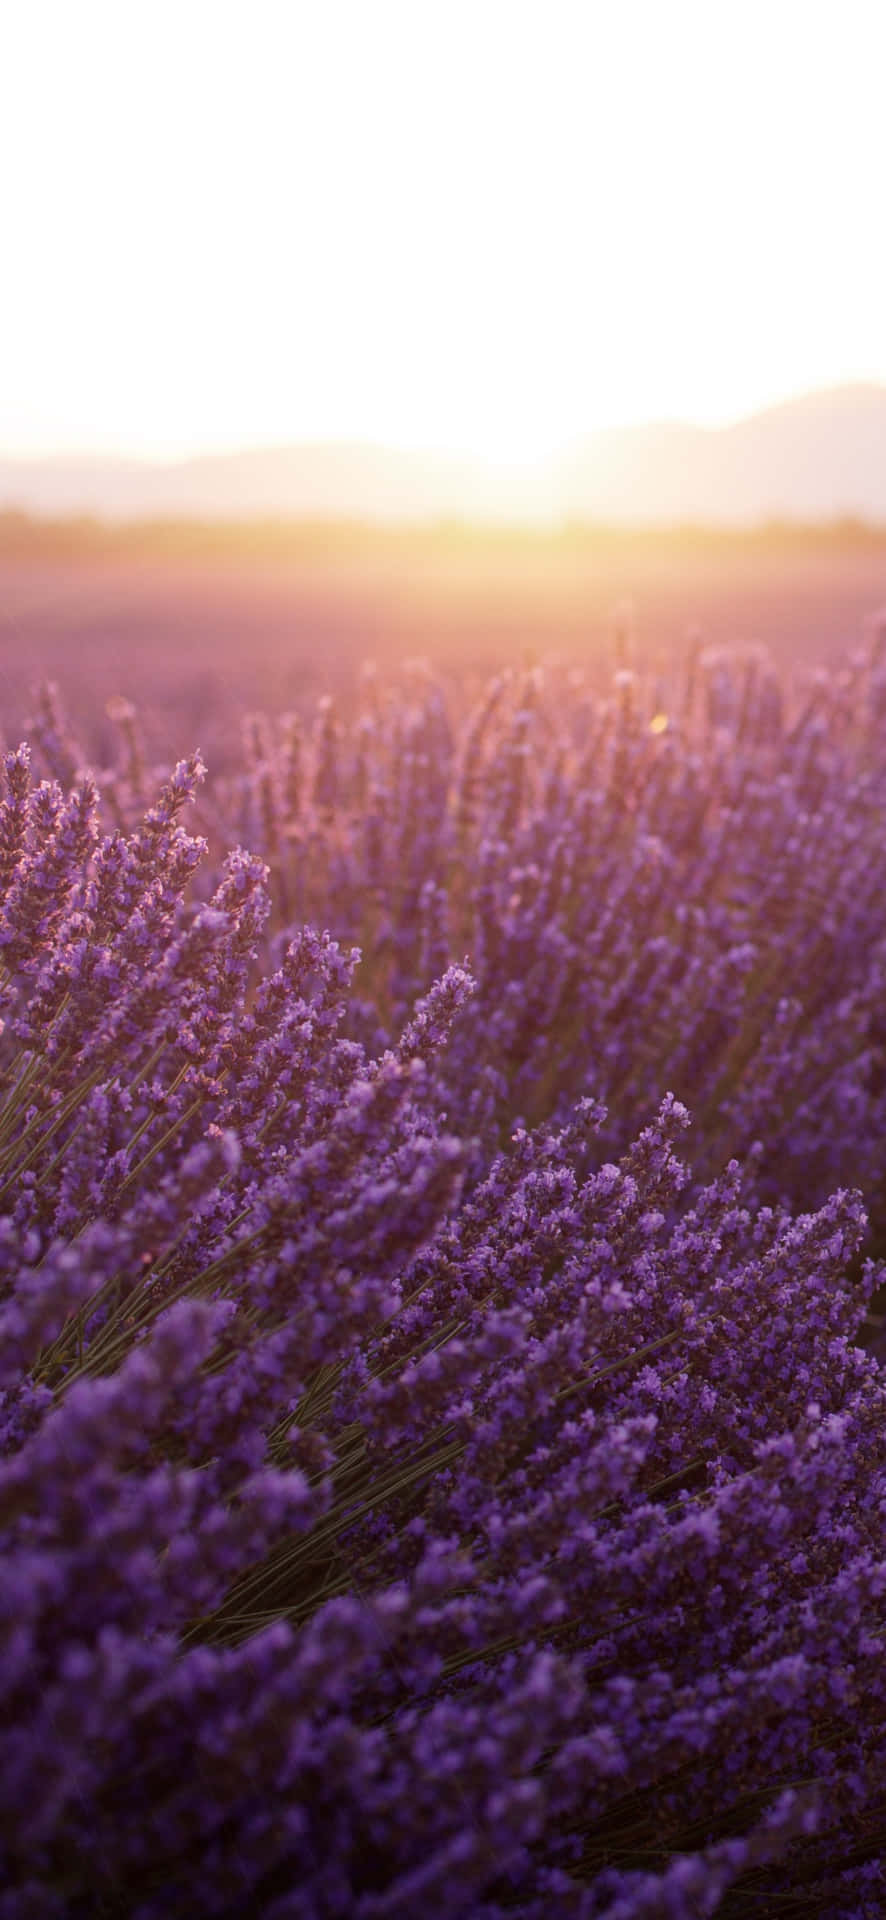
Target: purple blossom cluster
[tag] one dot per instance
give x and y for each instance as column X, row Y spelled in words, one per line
column 434, row 1477
column 677, row 882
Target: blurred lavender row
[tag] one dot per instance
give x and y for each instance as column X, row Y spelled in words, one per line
column 663, row 885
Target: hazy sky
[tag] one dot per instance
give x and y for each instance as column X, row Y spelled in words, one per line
column 488, row 224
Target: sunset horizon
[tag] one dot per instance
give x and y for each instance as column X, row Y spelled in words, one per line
column 173, row 454
column 472, row 230
column 817, row 455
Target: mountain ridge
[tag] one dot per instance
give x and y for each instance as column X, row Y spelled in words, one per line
column 819, row 455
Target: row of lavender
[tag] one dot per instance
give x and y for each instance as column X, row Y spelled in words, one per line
column 675, row 886
column 420, row 1491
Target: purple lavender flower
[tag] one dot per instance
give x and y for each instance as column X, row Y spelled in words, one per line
column 433, row 1474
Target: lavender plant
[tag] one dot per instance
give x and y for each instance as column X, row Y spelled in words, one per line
column 677, row 885
column 407, row 1507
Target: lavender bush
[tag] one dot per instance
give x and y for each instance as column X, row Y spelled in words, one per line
column 436, row 1478
column 678, row 885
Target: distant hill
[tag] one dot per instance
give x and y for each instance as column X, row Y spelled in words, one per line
column 822, row 456
column 819, row 457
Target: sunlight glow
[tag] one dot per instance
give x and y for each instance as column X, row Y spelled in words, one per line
column 481, row 225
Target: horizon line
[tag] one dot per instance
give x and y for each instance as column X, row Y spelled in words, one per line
column 213, row 529
column 130, row 455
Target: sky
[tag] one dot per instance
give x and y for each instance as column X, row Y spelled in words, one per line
column 489, row 225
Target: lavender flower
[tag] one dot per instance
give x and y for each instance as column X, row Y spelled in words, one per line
column 434, row 1474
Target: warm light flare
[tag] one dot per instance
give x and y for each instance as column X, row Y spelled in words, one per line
column 480, row 228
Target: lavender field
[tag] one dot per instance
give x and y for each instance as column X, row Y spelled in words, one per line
column 443, row 1165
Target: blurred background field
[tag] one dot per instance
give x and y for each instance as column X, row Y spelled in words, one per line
column 196, row 622
column 636, row 780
